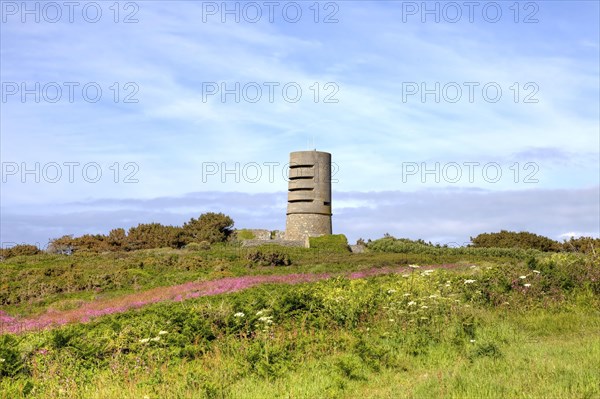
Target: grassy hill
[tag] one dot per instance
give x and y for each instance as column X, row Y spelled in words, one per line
column 399, row 321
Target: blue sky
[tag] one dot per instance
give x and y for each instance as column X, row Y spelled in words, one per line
column 174, row 145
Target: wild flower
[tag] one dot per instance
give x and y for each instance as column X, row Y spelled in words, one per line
column 447, row 285
column 412, row 303
column 536, row 271
column 260, row 312
column 432, row 296
column 2, row 360
column 469, row 281
column 472, row 341
column 391, row 291
column 155, row 339
column 391, row 320
column 239, row 314
column 266, row 319
column 527, row 285
column 407, row 294
column 522, row 277
column 144, row 340
column 424, row 307
column 162, row 332
column 405, row 276
column 414, row 266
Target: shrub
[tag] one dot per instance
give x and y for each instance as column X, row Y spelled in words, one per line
column 511, row 239
column 269, row 258
column 211, row 227
column 331, row 242
column 586, row 245
column 19, row 250
column 154, row 235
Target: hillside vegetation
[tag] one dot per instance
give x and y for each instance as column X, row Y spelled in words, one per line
column 406, row 319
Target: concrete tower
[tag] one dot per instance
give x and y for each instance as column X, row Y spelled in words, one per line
column 309, row 195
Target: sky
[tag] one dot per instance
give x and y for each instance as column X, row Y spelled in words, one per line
column 444, row 119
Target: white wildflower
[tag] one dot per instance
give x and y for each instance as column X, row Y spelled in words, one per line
column 155, row 339
column 469, row 281
column 391, row 291
column 527, row 285
column 2, row 360
column 405, row 275
column 472, row 341
column 536, row 271
column 407, row 294
column 162, row 332
column 522, row 277
column 424, row 307
column 447, row 285
column 144, row 340
column 260, row 312
column 391, row 320
column 412, row 303
column 432, row 296
column 266, row 319
column 414, row 266
column 239, row 314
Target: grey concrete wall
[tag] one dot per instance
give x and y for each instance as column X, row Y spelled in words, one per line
column 309, row 195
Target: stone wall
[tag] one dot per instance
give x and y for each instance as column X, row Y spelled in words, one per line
column 309, row 195
column 276, row 241
column 301, row 225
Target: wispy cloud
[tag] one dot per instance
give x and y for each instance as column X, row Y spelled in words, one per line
column 371, row 56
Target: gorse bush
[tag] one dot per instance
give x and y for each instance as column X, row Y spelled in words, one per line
column 210, row 227
column 391, row 244
column 511, row 239
column 19, row 250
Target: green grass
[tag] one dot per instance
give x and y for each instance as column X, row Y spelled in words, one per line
column 418, row 335
column 30, row 284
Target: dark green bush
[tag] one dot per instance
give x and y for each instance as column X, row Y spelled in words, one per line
column 331, row 242
column 211, row 227
column 268, row 258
